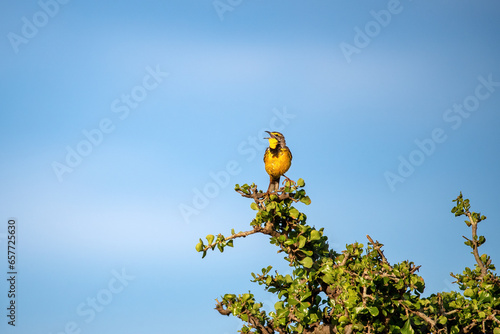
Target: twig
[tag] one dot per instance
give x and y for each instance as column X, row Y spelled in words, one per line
column 470, row 326
column 427, row 319
column 219, row 307
column 267, row 229
column 377, row 246
column 257, row 324
column 236, row 235
column 260, row 196
column 475, row 246
column 493, row 317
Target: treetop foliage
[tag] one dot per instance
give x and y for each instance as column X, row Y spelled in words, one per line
column 356, row 290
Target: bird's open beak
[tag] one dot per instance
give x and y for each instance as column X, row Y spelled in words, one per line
column 269, row 134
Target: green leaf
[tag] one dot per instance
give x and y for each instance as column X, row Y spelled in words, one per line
column 343, row 319
column 481, row 240
column 229, row 296
column 300, row 183
column 306, row 200
column 254, row 206
column 373, row 311
column 496, row 330
column 358, row 309
column 307, row 262
column 305, row 296
column 469, row 293
column 199, row 246
column 210, row 239
column 358, row 327
column 307, row 252
column 315, row 235
column 294, row 213
column 328, row 279
column 407, row 329
column 302, row 241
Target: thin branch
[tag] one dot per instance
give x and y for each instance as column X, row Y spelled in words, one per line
column 377, row 246
column 259, row 197
column 346, row 258
column 440, row 303
column 267, row 229
column 475, row 246
column 364, row 296
column 451, row 312
column 493, row 317
column 324, row 329
column 426, row 318
column 257, row 324
column 252, row 320
column 219, row 307
column 412, row 271
column 470, row 326
column 256, row 229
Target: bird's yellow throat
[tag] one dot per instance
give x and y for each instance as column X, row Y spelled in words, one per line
column 273, row 143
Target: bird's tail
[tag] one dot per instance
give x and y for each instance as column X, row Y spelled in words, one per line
column 274, row 184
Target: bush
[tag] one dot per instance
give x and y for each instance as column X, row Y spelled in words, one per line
column 357, row 290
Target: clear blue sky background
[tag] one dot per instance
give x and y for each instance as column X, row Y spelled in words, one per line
column 351, row 117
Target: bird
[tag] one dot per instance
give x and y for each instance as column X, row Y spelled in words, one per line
column 277, row 159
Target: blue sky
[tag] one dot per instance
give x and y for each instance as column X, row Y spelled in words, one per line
column 390, row 109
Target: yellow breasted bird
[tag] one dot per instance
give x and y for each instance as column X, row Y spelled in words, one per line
column 277, row 159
